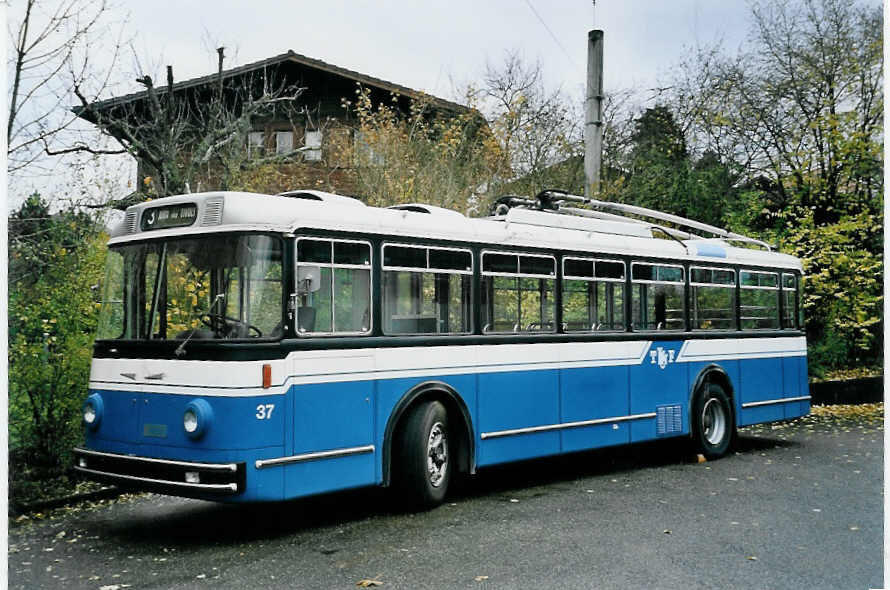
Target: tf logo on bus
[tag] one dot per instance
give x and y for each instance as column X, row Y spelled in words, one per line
column 662, row 357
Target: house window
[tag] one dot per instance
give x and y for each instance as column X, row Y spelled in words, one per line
column 255, row 141
column 313, row 145
column 284, row 142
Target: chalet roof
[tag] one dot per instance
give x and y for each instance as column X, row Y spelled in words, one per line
column 300, row 60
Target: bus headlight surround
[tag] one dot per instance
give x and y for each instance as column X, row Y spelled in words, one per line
column 197, row 418
column 92, row 411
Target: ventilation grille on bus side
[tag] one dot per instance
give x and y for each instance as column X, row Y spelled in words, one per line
column 130, row 221
column 668, row 420
column 213, row 211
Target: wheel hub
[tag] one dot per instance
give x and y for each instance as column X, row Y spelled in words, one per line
column 437, row 454
column 713, row 421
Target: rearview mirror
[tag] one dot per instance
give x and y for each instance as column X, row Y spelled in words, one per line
column 308, row 279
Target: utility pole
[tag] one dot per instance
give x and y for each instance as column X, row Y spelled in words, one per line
column 593, row 113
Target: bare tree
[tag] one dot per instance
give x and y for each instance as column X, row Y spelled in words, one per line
column 52, row 45
column 540, row 131
column 183, row 137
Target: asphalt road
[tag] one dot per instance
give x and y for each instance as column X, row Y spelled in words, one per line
column 796, row 506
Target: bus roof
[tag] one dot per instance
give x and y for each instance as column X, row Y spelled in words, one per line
column 213, row 212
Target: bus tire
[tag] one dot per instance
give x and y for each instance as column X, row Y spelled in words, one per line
column 424, row 456
column 713, row 426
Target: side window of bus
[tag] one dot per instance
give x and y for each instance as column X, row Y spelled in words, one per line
column 713, row 298
column 789, row 298
column 426, row 290
column 657, row 296
column 592, row 295
column 333, row 287
column 759, row 300
column 518, row 292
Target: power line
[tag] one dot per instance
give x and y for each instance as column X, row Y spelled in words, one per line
column 555, row 38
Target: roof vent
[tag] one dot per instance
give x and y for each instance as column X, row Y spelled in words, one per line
column 428, row 209
column 130, row 222
column 414, row 208
column 301, row 195
column 213, row 211
column 329, row 198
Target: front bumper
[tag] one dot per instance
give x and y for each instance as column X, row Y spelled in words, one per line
column 162, row 475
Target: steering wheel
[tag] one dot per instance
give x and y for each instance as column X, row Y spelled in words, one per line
column 211, row 320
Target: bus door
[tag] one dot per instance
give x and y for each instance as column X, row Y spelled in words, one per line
column 332, row 397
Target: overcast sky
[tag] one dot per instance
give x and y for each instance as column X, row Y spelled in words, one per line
column 436, row 47
column 431, row 46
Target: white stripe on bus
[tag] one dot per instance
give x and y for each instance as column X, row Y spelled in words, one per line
column 243, row 378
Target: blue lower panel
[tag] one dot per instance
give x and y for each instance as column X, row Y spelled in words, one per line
column 592, row 394
column 331, row 416
column 327, row 475
column 772, row 379
column 517, row 400
column 516, row 448
column 791, row 377
column 759, row 380
column 590, row 437
column 120, row 421
column 237, row 422
column 154, row 420
column 758, row 414
column 643, row 429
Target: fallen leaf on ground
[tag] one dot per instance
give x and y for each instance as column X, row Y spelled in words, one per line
column 368, row 583
column 480, row 578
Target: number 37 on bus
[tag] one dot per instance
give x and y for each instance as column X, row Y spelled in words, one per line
column 267, row 347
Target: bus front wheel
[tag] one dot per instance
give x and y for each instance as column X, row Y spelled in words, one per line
column 424, row 467
column 712, row 421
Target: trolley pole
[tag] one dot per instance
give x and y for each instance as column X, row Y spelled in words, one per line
column 593, row 113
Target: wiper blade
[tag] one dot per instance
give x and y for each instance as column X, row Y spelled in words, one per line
column 180, row 350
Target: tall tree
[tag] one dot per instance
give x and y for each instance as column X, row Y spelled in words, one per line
column 801, row 107
column 658, row 162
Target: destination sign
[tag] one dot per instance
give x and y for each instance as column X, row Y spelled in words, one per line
column 169, row 216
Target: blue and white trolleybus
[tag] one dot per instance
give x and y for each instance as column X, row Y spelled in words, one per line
column 258, row 347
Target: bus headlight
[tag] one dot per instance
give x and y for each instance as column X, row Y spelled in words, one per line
column 92, row 411
column 197, row 418
column 190, row 422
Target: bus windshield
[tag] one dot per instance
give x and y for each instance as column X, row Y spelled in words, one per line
column 199, row 288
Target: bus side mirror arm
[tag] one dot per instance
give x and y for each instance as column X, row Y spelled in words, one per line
column 291, row 308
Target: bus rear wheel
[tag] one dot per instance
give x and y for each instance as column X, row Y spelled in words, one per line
column 712, row 421
column 424, row 456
